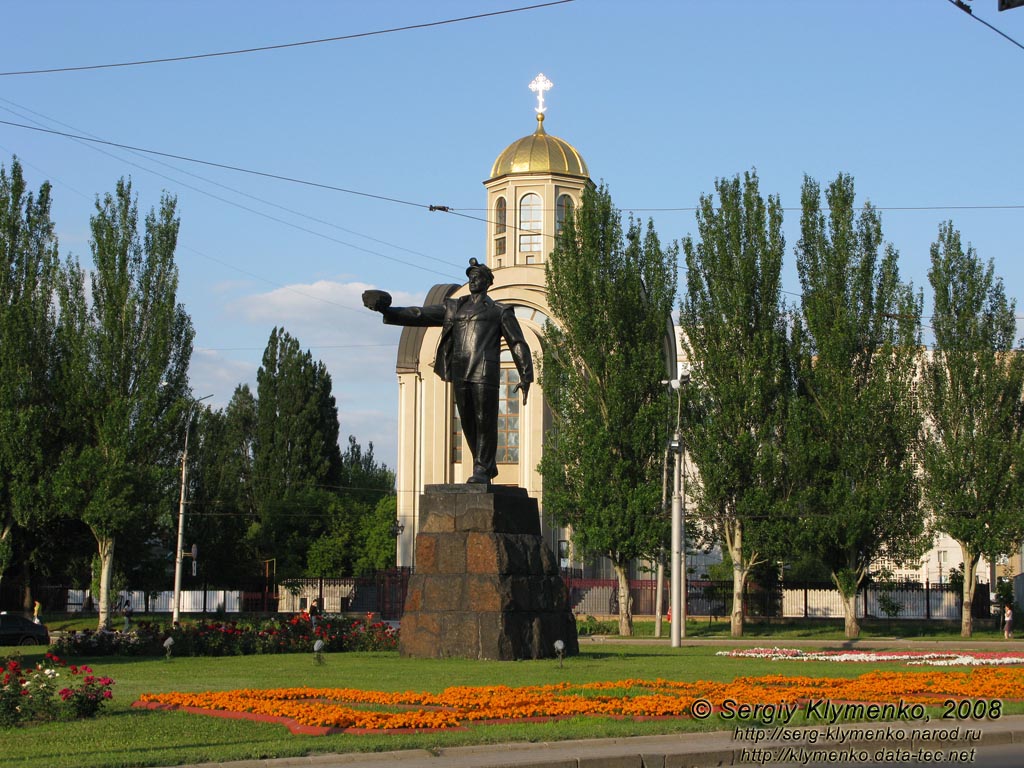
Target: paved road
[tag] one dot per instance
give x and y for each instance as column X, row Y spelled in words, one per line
column 998, row 744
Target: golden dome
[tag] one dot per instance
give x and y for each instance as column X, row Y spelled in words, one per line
column 540, row 153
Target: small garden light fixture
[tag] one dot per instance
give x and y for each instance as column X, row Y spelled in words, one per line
column 559, row 651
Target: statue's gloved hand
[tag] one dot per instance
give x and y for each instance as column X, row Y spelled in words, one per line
column 525, row 387
column 378, row 301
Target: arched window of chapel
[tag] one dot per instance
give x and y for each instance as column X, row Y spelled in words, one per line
column 531, row 219
column 563, row 211
column 499, row 216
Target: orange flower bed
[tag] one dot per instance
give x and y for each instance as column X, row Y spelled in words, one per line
column 324, row 710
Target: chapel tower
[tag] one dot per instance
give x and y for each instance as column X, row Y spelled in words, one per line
column 534, row 186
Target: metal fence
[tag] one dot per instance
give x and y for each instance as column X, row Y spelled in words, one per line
column 384, row 594
column 599, row 597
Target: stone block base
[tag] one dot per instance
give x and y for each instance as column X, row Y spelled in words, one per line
column 485, row 586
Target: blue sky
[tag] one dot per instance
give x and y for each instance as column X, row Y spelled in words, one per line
column 919, row 102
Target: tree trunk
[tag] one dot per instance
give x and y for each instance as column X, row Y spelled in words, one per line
column 970, row 574
column 6, row 547
column 26, row 589
column 851, row 627
column 848, row 591
column 625, row 605
column 106, row 553
column 734, row 543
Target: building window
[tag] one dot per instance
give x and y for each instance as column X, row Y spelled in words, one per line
column 531, row 219
column 563, row 210
column 499, row 216
column 499, row 246
column 508, row 418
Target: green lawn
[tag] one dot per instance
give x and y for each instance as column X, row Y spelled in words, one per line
column 126, row 737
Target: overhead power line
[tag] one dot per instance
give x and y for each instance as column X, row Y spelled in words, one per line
column 264, row 174
column 259, row 49
column 291, row 211
column 225, row 166
column 970, row 12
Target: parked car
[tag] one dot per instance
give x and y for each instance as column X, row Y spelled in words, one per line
column 19, row 630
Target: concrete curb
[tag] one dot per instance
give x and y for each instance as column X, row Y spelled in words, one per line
column 842, row 743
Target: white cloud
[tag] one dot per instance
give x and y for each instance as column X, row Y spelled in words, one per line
column 328, row 318
column 313, row 303
column 212, row 372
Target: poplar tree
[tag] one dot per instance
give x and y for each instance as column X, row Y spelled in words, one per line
column 604, row 357
column 971, row 389
column 221, row 497
column 126, row 344
column 297, row 461
column 733, row 327
column 854, row 423
column 29, row 433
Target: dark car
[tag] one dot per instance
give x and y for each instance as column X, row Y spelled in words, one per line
column 18, row 630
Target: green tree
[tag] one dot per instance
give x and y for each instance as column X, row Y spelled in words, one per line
column 29, row 274
column 297, row 461
column 359, row 539
column 733, row 326
column 221, row 498
column 604, row 357
column 855, row 421
column 126, row 344
column 377, row 550
column 971, row 388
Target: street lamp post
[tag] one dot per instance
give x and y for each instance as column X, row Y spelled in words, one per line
column 677, row 596
column 180, row 553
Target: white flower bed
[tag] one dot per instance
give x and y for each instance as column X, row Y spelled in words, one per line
column 947, row 659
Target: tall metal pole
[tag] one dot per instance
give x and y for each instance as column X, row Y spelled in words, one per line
column 178, row 556
column 678, row 556
column 677, row 538
column 682, row 536
column 179, row 553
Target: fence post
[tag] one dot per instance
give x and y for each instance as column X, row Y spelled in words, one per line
column 927, row 600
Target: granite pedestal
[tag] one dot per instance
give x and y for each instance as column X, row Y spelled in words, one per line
column 485, row 585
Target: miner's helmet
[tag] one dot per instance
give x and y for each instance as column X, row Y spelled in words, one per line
column 482, row 269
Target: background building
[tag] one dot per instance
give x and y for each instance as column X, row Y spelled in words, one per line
column 534, row 184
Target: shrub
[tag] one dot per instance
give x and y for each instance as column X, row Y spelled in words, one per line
column 592, row 626
column 236, row 638
column 49, row 691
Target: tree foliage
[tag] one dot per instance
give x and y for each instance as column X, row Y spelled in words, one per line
column 126, row 344
column 221, row 496
column 359, row 538
column 854, row 422
column 734, row 335
column 971, row 389
column 94, row 401
column 29, row 434
column 296, row 460
column 604, row 356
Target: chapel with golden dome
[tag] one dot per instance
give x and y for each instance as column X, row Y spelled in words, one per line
column 534, row 185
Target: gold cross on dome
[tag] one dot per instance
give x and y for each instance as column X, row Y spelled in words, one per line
column 538, row 86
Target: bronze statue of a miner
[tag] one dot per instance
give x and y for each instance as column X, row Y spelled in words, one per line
column 469, row 356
